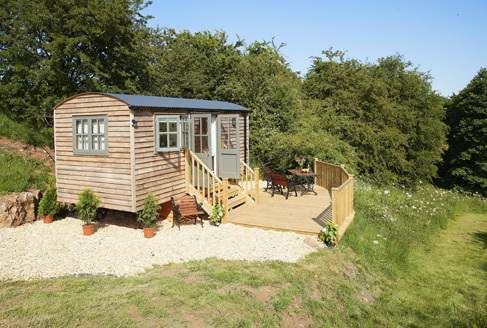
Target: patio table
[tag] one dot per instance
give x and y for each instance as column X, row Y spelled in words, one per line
column 305, row 179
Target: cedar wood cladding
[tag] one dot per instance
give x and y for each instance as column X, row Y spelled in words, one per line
column 124, row 177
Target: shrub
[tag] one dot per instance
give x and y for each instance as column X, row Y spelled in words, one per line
column 329, row 233
column 48, row 204
column 217, row 213
column 149, row 215
column 87, row 206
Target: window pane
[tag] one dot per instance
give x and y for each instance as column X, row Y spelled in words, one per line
column 79, row 141
column 197, row 145
column 163, row 141
column 102, row 125
column 173, row 140
column 94, row 126
column 85, row 143
column 94, row 141
column 102, row 142
column 232, row 141
column 197, row 125
column 85, row 126
column 173, row 127
column 224, row 141
column 233, row 128
column 163, row 126
column 79, row 127
column 224, row 124
column 204, row 141
column 204, row 127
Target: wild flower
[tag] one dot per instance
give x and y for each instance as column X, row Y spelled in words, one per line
column 376, row 242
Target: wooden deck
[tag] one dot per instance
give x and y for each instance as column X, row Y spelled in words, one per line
column 305, row 214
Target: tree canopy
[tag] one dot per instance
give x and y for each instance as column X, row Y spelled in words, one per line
column 466, row 160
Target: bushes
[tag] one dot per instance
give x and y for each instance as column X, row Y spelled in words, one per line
column 21, row 174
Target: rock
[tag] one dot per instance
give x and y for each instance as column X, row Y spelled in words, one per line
column 18, row 208
column 311, row 242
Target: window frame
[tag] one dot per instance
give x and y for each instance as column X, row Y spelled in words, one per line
column 182, row 132
column 90, row 134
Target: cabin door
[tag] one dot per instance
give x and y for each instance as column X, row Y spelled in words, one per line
column 228, row 146
column 201, row 138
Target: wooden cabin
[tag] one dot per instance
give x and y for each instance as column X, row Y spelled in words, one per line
column 123, row 146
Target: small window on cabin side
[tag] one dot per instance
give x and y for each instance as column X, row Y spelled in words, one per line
column 171, row 132
column 90, row 135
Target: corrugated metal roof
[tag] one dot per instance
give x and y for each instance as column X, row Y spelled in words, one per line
column 167, row 102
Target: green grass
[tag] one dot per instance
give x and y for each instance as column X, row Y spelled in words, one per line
column 432, row 277
column 24, row 131
column 19, row 174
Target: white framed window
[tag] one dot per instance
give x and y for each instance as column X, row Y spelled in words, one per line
column 90, row 135
column 171, row 132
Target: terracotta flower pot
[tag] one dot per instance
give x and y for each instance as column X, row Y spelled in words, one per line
column 47, row 218
column 149, row 232
column 88, row 229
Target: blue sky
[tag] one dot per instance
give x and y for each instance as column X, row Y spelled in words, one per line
column 446, row 38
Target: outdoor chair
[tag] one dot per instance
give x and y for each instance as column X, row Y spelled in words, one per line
column 280, row 181
column 268, row 172
column 186, row 206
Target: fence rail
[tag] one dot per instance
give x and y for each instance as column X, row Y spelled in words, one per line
column 340, row 182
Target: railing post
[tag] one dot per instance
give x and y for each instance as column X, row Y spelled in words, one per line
column 225, row 199
column 334, row 205
column 316, row 170
column 257, row 179
column 187, row 169
column 350, row 210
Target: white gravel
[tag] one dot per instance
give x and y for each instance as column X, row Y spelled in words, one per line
column 38, row 250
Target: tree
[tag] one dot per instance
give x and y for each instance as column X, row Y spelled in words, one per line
column 52, row 49
column 466, row 160
column 389, row 114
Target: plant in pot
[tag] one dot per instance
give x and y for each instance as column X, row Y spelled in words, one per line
column 216, row 214
column 86, row 209
column 48, row 206
column 328, row 234
column 149, row 215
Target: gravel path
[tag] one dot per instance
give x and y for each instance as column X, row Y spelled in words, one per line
column 38, row 250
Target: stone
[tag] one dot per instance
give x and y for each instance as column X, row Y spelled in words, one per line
column 18, row 208
column 311, row 242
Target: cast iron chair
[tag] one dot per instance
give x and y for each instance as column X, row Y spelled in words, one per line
column 186, row 206
column 280, row 181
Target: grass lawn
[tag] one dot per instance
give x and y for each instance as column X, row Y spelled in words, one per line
column 446, row 287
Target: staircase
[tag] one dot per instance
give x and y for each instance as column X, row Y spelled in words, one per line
column 210, row 190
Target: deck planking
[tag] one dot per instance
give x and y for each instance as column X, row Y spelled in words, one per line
column 305, row 214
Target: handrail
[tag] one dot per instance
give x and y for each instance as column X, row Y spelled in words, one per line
column 340, row 182
column 204, row 184
column 250, row 178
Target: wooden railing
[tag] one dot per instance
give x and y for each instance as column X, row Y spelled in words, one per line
column 249, row 181
column 340, row 182
column 204, row 184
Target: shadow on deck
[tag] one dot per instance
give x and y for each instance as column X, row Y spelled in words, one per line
column 305, row 214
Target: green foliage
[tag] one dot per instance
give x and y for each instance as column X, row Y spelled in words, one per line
column 20, row 174
column 87, row 206
column 149, row 215
column 466, row 160
column 217, row 213
column 48, row 204
column 329, row 233
column 388, row 113
column 50, row 50
column 24, row 132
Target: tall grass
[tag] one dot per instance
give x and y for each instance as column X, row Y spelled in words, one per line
column 19, row 174
column 392, row 221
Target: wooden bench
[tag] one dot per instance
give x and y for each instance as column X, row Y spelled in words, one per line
column 186, row 206
column 280, row 181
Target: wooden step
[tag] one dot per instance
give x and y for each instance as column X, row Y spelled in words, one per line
column 237, row 200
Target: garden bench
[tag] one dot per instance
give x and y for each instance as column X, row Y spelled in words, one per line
column 280, row 181
column 186, row 206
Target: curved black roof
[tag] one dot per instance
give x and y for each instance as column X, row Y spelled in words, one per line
column 135, row 102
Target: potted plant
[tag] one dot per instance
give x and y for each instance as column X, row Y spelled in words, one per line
column 48, row 206
column 216, row 214
column 328, row 234
column 86, row 209
column 149, row 215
